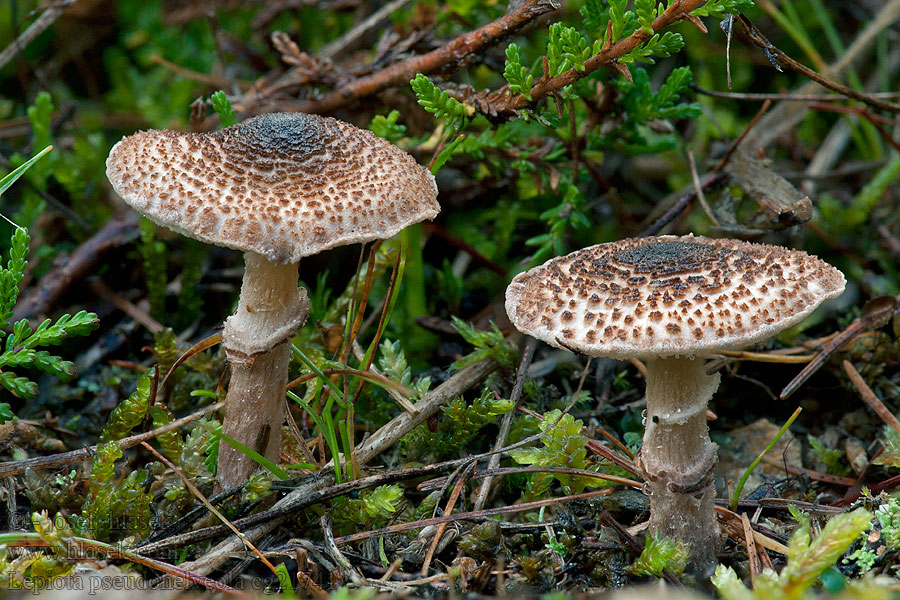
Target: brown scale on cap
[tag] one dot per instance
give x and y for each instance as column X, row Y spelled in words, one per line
column 668, row 296
column 283, row 185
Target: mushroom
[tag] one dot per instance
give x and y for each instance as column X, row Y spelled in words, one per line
column 671, row 301
column 278, row 187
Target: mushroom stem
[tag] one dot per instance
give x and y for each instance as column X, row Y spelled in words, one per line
column 257, row 343
column 679, row 459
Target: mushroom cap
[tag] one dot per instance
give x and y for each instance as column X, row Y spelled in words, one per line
column 283, row 185
column 667, row 296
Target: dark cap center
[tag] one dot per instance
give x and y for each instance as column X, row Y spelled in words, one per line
column 668, row 257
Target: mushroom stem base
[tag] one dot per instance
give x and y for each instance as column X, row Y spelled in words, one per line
column 679, row 459
column 257, row 343
column 254, row 412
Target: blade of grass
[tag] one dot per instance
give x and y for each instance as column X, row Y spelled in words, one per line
column 315, row 369
column 326, row 428
column 259, row 458
column 781, row 432
column 393, row 293
column 11, row 177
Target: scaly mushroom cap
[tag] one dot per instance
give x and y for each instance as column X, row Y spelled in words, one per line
column 284, row 185
column 668, row 296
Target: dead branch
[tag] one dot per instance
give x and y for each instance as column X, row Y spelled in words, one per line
column 503, row 104
column 18, row 467
column 451, row 56
column 120, row 230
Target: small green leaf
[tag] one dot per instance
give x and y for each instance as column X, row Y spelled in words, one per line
column 645, row 11
column 387, row 127
column 11, row 177
column 520, row 81
column 720, row 8
column 130, row 412
column 222, row 105
column 6, row 413
column 660, row 553
column 436, row 101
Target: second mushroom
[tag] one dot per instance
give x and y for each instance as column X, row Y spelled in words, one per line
column 670, row 301
column 278, row 187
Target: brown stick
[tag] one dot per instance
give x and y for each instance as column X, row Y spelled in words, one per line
column 448, row 57
column 306, row 493
column 40, row 25
column 120, row 230
column 754, row 37
column 448, row 510
column 752, row 554
column 502, row 510
column 869, row 397
column 515, row 397
column 607, row 56
column 8, row 469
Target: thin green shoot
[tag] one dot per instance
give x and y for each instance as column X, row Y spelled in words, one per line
column 326, row 429
column 394, row 293
column 315, row 369
column 259, row 458
column 781, row 432
column 11, row 177
column 284, row 579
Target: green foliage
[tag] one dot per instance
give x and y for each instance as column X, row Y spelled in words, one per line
column 830, row 456
column 77, row 171
column 198, row 450
column 115, row 508
column 469, row 419
column 190, row 298
column 392, row 361
column 170, row 443
column 12, row 275
column 660, row 553
column 462, row 423
column 371, row 507
column 566, row 49
column 258, row 486
column 284, row 580
column 658, row 46
column 37, row 570
column 882, row 543
column 222, row 105
column 888, row 516
column 720, row 8
column 387, row 127
column 130, row 412
column 438, row 102
column 563, row 446
column 568, row 214
column 153, row 252
column 56, row 532
column 641, row 105
column 20, row 349
column 6, row 414
column 594, row 17
column 807, row 560
column 488, row 344
column 516, row 74
column 863, row 558
column 11, row 177
column 344, row 593
column 623, row 21
column 646, row 11
column 845, row 219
